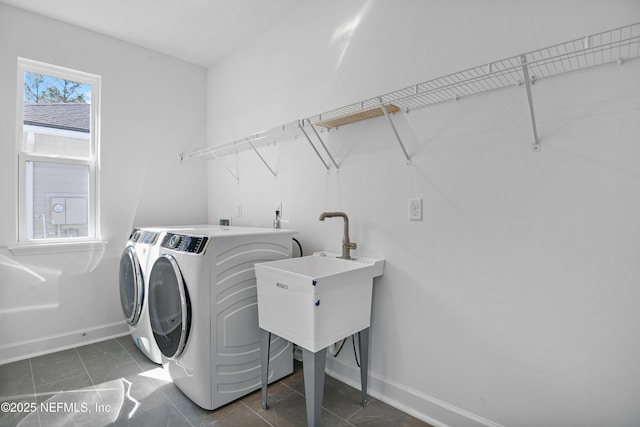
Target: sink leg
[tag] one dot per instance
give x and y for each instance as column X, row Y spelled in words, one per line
column 313, row 366
column 363, row 343
column 265, row 344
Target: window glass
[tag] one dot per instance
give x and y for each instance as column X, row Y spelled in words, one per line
column 59, row 199
column 56, row 116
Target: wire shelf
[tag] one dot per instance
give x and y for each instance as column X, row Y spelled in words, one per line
column 613, row 46
column 288, row 130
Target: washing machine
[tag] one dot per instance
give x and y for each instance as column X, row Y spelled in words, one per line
column 136, row 261
column 134, row 273
column 204, row 315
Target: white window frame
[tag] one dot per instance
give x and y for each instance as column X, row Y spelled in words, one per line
column 22, row 206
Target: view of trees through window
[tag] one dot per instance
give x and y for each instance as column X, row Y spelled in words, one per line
column 39, row 88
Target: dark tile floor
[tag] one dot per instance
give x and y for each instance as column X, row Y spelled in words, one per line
column 112, row 383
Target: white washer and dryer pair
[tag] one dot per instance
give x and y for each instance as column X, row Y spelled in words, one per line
column 136, row 261
column 203, row 311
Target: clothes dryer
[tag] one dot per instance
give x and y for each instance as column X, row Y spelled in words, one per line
column 203, row 311
column 134, row 289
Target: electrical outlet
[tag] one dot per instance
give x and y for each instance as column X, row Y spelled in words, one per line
column 239, row 210
column 415, row 209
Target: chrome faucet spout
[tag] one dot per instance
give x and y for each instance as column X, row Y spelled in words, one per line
column 347, row 245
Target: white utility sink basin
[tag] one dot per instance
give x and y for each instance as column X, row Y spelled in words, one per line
column 316, row 300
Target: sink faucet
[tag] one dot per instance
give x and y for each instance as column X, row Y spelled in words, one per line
column 347, row 245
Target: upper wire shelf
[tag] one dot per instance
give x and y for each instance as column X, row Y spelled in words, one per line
column 607, row 47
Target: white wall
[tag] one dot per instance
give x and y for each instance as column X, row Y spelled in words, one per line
column 153, row 108
column 514, row 302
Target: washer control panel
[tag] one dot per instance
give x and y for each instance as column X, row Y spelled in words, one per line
column 143, row 236
column 184, row 243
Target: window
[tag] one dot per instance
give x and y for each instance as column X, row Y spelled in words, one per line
column 58, row 116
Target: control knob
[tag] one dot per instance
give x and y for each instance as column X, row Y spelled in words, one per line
column 174, row 241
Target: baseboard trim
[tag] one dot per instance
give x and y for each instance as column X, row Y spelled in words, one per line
column 420, row 405
column 50, row 344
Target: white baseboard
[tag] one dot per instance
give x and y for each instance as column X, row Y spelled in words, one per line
column 420, row 405
column 45, row 345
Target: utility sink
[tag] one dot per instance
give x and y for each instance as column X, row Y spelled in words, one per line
column 317, row 300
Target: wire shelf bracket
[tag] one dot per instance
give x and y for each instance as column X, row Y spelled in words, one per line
column 324, row 146
column 261, row 158
column 527, row 87
column 395, row 131
column 306, row 135
column 234, row 175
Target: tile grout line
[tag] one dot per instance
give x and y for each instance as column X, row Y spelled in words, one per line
column 161, row 391
column 178, row 409
column 33, row 383
column 93, row 383
column 291, row 391
column 129, row 354
column 173, row 404
column 337, row 416
column 294, row 391
column 360, row 409
column 84, row 366
column 258, row 414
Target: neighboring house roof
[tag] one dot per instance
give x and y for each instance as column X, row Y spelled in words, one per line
column 71, row 116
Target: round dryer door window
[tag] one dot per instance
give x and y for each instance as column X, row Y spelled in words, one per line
column 131, row 286
column 169, row 306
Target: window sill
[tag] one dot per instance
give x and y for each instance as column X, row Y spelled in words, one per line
column 57, row 247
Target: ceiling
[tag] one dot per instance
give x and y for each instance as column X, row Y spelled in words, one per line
column 197, row 31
